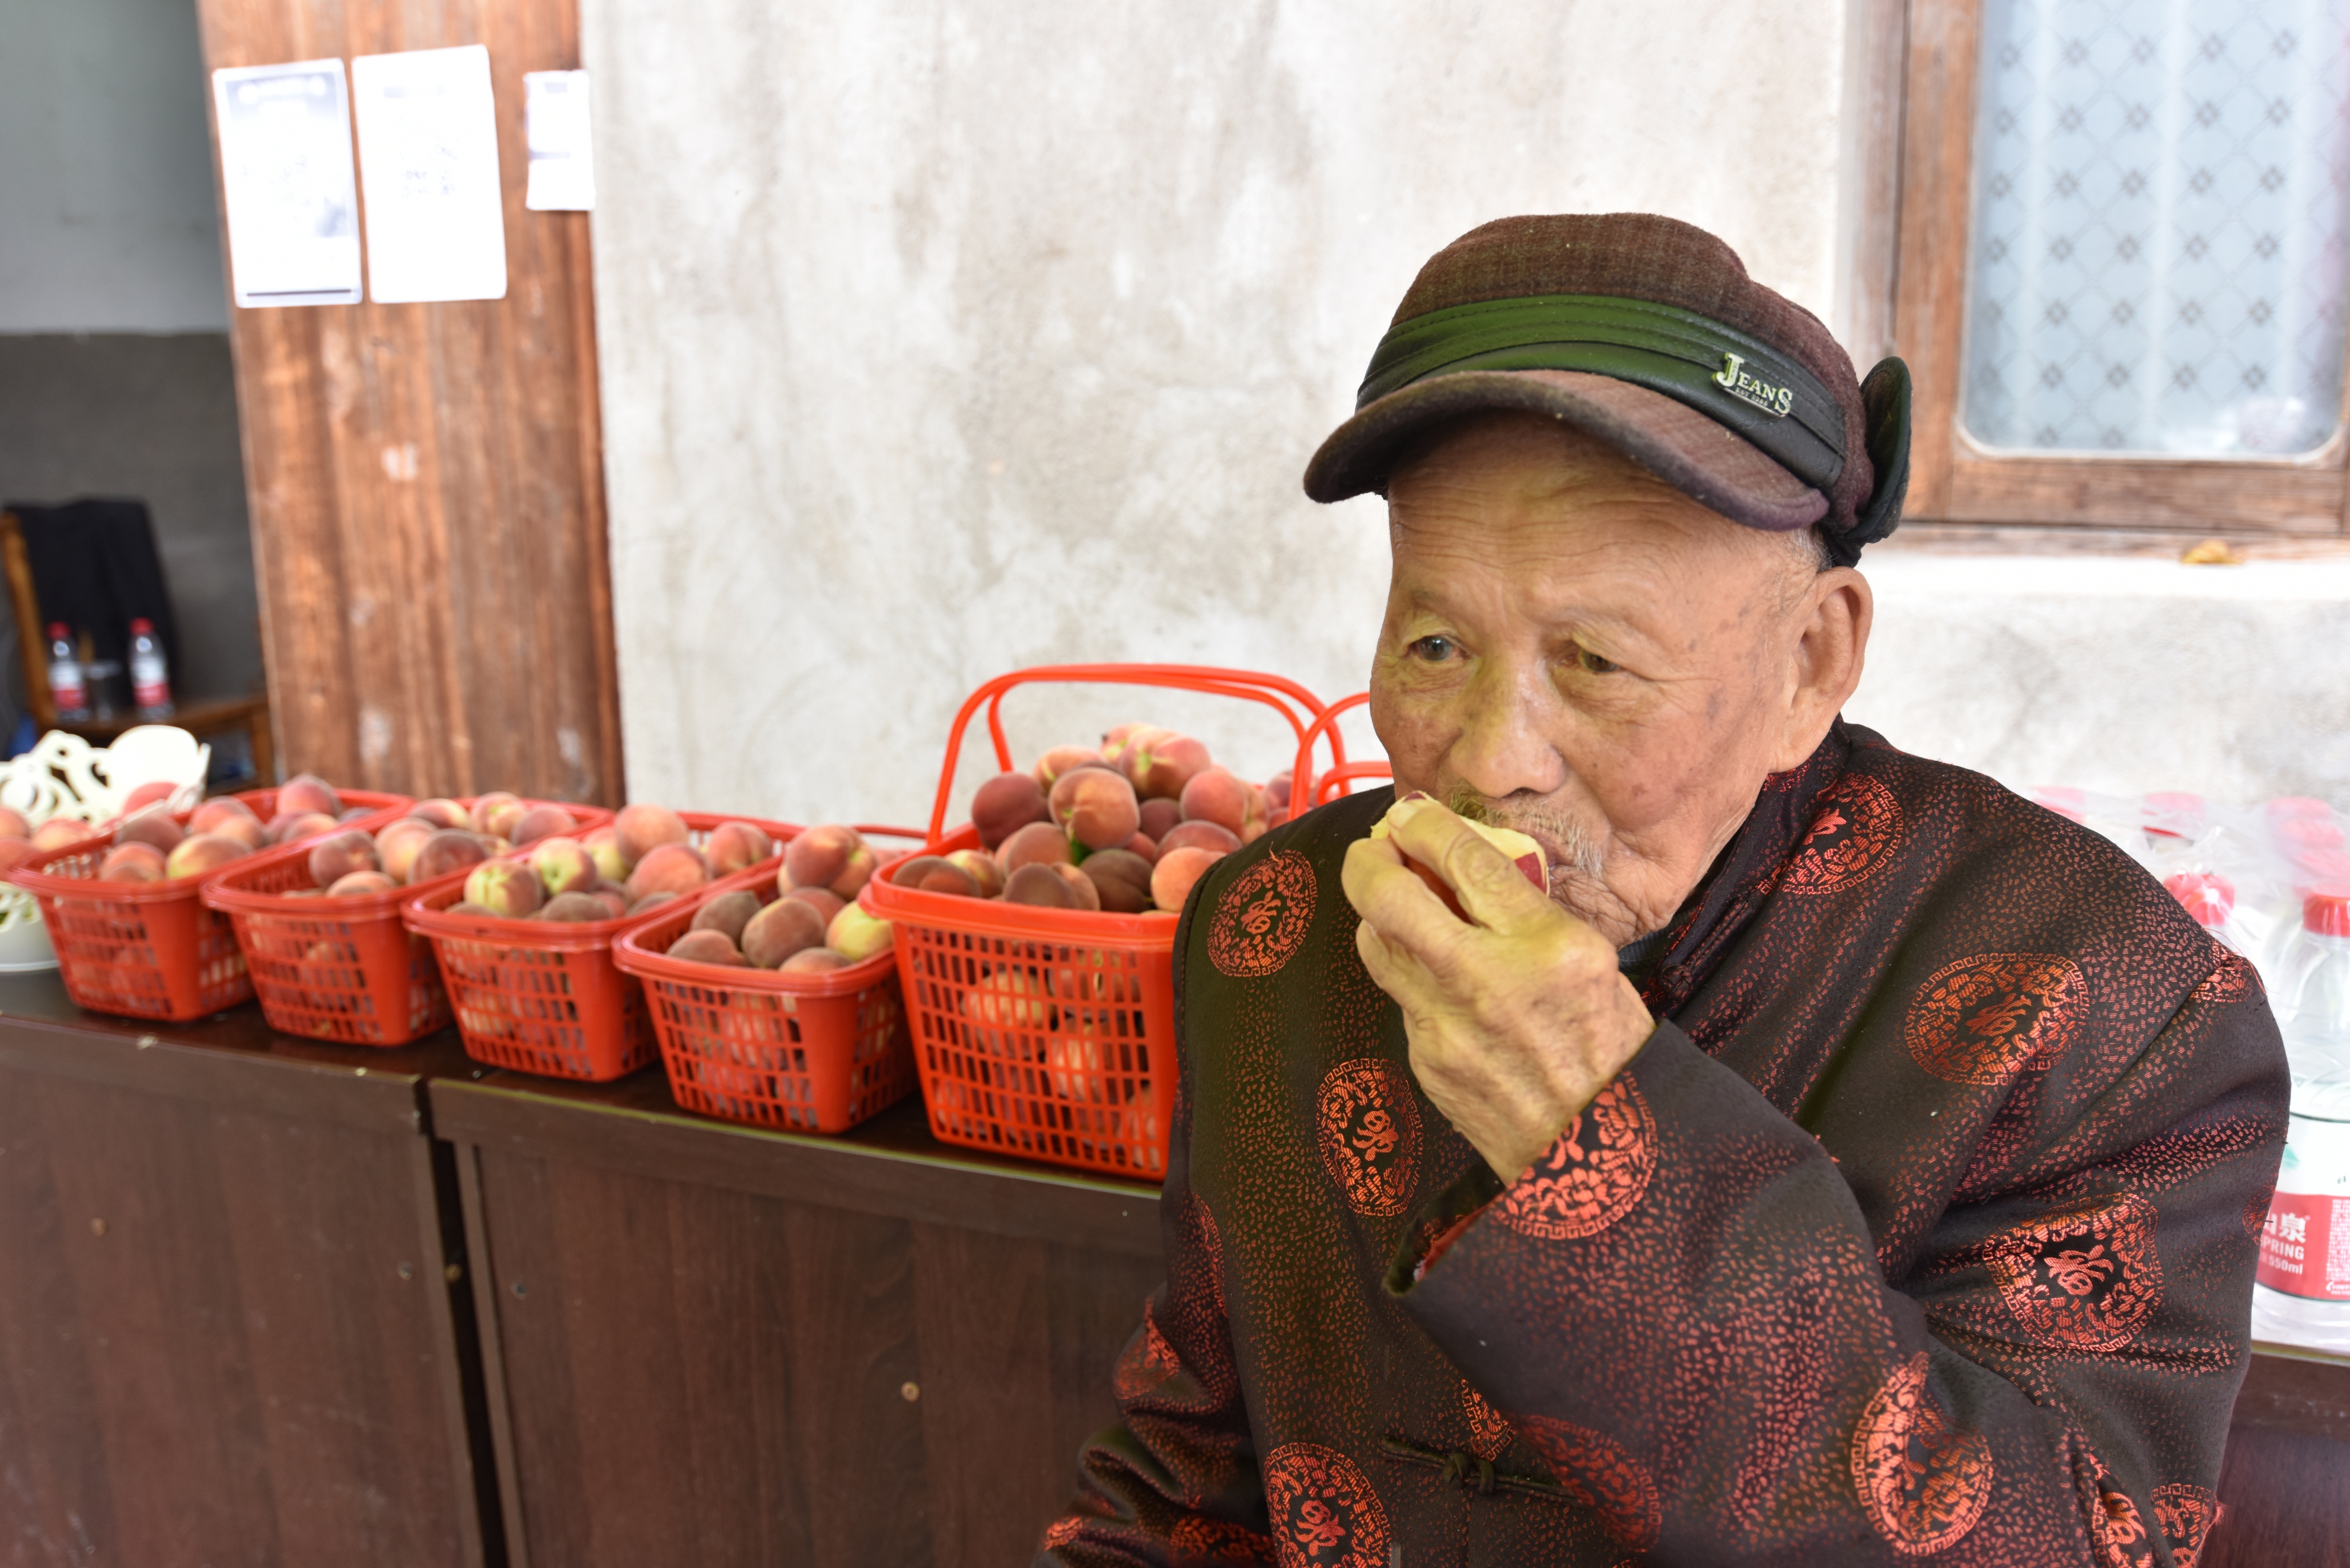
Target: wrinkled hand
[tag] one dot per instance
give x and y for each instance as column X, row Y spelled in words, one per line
column 1516, row 1017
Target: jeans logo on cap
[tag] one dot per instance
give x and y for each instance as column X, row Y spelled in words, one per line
column 1776, row 402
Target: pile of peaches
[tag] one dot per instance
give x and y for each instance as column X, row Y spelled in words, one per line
column 808, row 923
column 642, row 859
column 1124, row 829
column 150, row 847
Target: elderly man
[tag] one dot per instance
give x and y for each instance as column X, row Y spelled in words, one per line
column 1846, row 1162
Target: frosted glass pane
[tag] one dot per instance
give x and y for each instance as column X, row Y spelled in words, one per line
column 2158, row 227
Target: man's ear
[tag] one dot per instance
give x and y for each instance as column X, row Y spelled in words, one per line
column 1830, row 647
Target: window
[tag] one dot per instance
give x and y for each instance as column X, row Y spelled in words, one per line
column 2123, row 260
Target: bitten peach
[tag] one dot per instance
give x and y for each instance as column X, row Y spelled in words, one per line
column 734, row 847
column 1006, row 803
column 137, row 861
column 855, row 935
column 612, row 861
column 728, row 912
column 832, row 855
column 814, row 960
column 150, row 828
column 308, row 791
column 645, row 827
column 575, row 908
column 293, row 827
column 983, row 869
column 784, row 928
column 667, row 869
column 1122, row 879
column 60, row 831
column 358, row 882
column 498, row 802
column 1172, row 879
column 1211, row 835
column 1060, row 760
column 1215, row 794
column 336, row 857
column 1038, row 844
column 1097, row 808
column 441, row 812
column 450, row 849
column 543, row 822
column 707, row 947
column 505, row 888
column 202, row 852
column 398, row 844
column 823, row 900
column 564, row 866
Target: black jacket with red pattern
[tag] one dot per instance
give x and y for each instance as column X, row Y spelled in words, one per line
column 1924, row 1224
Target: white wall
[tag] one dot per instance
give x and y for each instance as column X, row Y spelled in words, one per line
column 943, row 336
column 107, row 216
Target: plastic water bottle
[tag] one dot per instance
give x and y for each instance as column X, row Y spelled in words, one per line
column 2303, row 1292
column 66, row 685
column 2211, row 900
column 150, row 683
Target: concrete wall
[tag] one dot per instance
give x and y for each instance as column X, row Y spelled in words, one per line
column 943, row 336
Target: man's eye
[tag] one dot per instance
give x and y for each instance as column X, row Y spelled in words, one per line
column 1592, row 664
column 1434, row 650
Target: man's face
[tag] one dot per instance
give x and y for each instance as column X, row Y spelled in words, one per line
column 1575, row 650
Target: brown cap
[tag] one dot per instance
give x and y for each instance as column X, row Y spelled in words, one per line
column 1646, row 333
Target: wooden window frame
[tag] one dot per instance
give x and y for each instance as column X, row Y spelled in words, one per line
column 1913, row 112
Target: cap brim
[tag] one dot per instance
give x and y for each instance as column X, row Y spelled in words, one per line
column 1708, row 463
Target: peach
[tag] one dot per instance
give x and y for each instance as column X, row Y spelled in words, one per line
column 1142, row 844
column 1007, row 999
column 1061, row 760
column 784, row 928
column 150, row 828
column 332, row 859
column 202, row 852
column 398, row 843
column 728, row 912
column 60, row 831
column 137, row 861
column 1006, row 803
column 983, row 869
column 1211, row 835
column 240, row 825
column 1038, row 844
column 734, row 847
column 353, row 813
column 1215, row 795
column 814, row 960
column 358, row 882
column 613, row 896
column 295, row 826
column 645, row 827
column 14, row 852
column 1162, row 765
column 1159, row 817
column 936, row 874
column 564, row 866
column 450, row 849
column 502, row 819
column 1121, row 880
column 477, row 816
column 543, row 822
column 12, row 824
column 507, row 889
column 823, row 900
column 442, row 812
column 1172, row 878
column 1097, row 808
column 155, row 792
column 603, row 845
column 706, row 946
column 308, row 791
column 576, row 908
column 651, row 902
column 221, row 808
column 460, row 907
column 832, row 856
column 857, row 935
column 1044, row 887
column 1276, row 791
column 1120, row 746
column 668, row 868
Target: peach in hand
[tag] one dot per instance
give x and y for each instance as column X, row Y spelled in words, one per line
column 507, row 889
column 1097, row 808
column 668, row 868
column 832, row 855
column 202, row 852
column 1006, row 803
column 784, row 928
column 137, row 861
column 645, row 827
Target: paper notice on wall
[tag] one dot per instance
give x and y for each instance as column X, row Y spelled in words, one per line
column 429, row 167
column 286, row 178
column 562, row 162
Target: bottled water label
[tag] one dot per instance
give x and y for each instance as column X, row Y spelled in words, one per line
column 149, row 686
column 2305, row 1247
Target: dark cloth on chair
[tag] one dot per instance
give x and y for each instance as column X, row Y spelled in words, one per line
column 96, row 568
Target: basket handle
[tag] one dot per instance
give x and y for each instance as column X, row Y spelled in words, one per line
column 1284, row 696
column 1308, row 790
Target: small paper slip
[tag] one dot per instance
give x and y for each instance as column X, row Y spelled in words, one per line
column 286, row 177
column 429, row 166
column 562, row 161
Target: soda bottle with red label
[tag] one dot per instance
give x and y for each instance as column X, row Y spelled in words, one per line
column 150, row 682
column 66, row 687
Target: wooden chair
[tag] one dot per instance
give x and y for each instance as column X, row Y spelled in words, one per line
column 250, row 714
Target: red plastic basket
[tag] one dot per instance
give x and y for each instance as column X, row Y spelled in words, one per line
column 543, row 996
column 1050, row 1033
column 147, row 949
column 339, row 968
column 811, row 1053
column 1308, row 789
